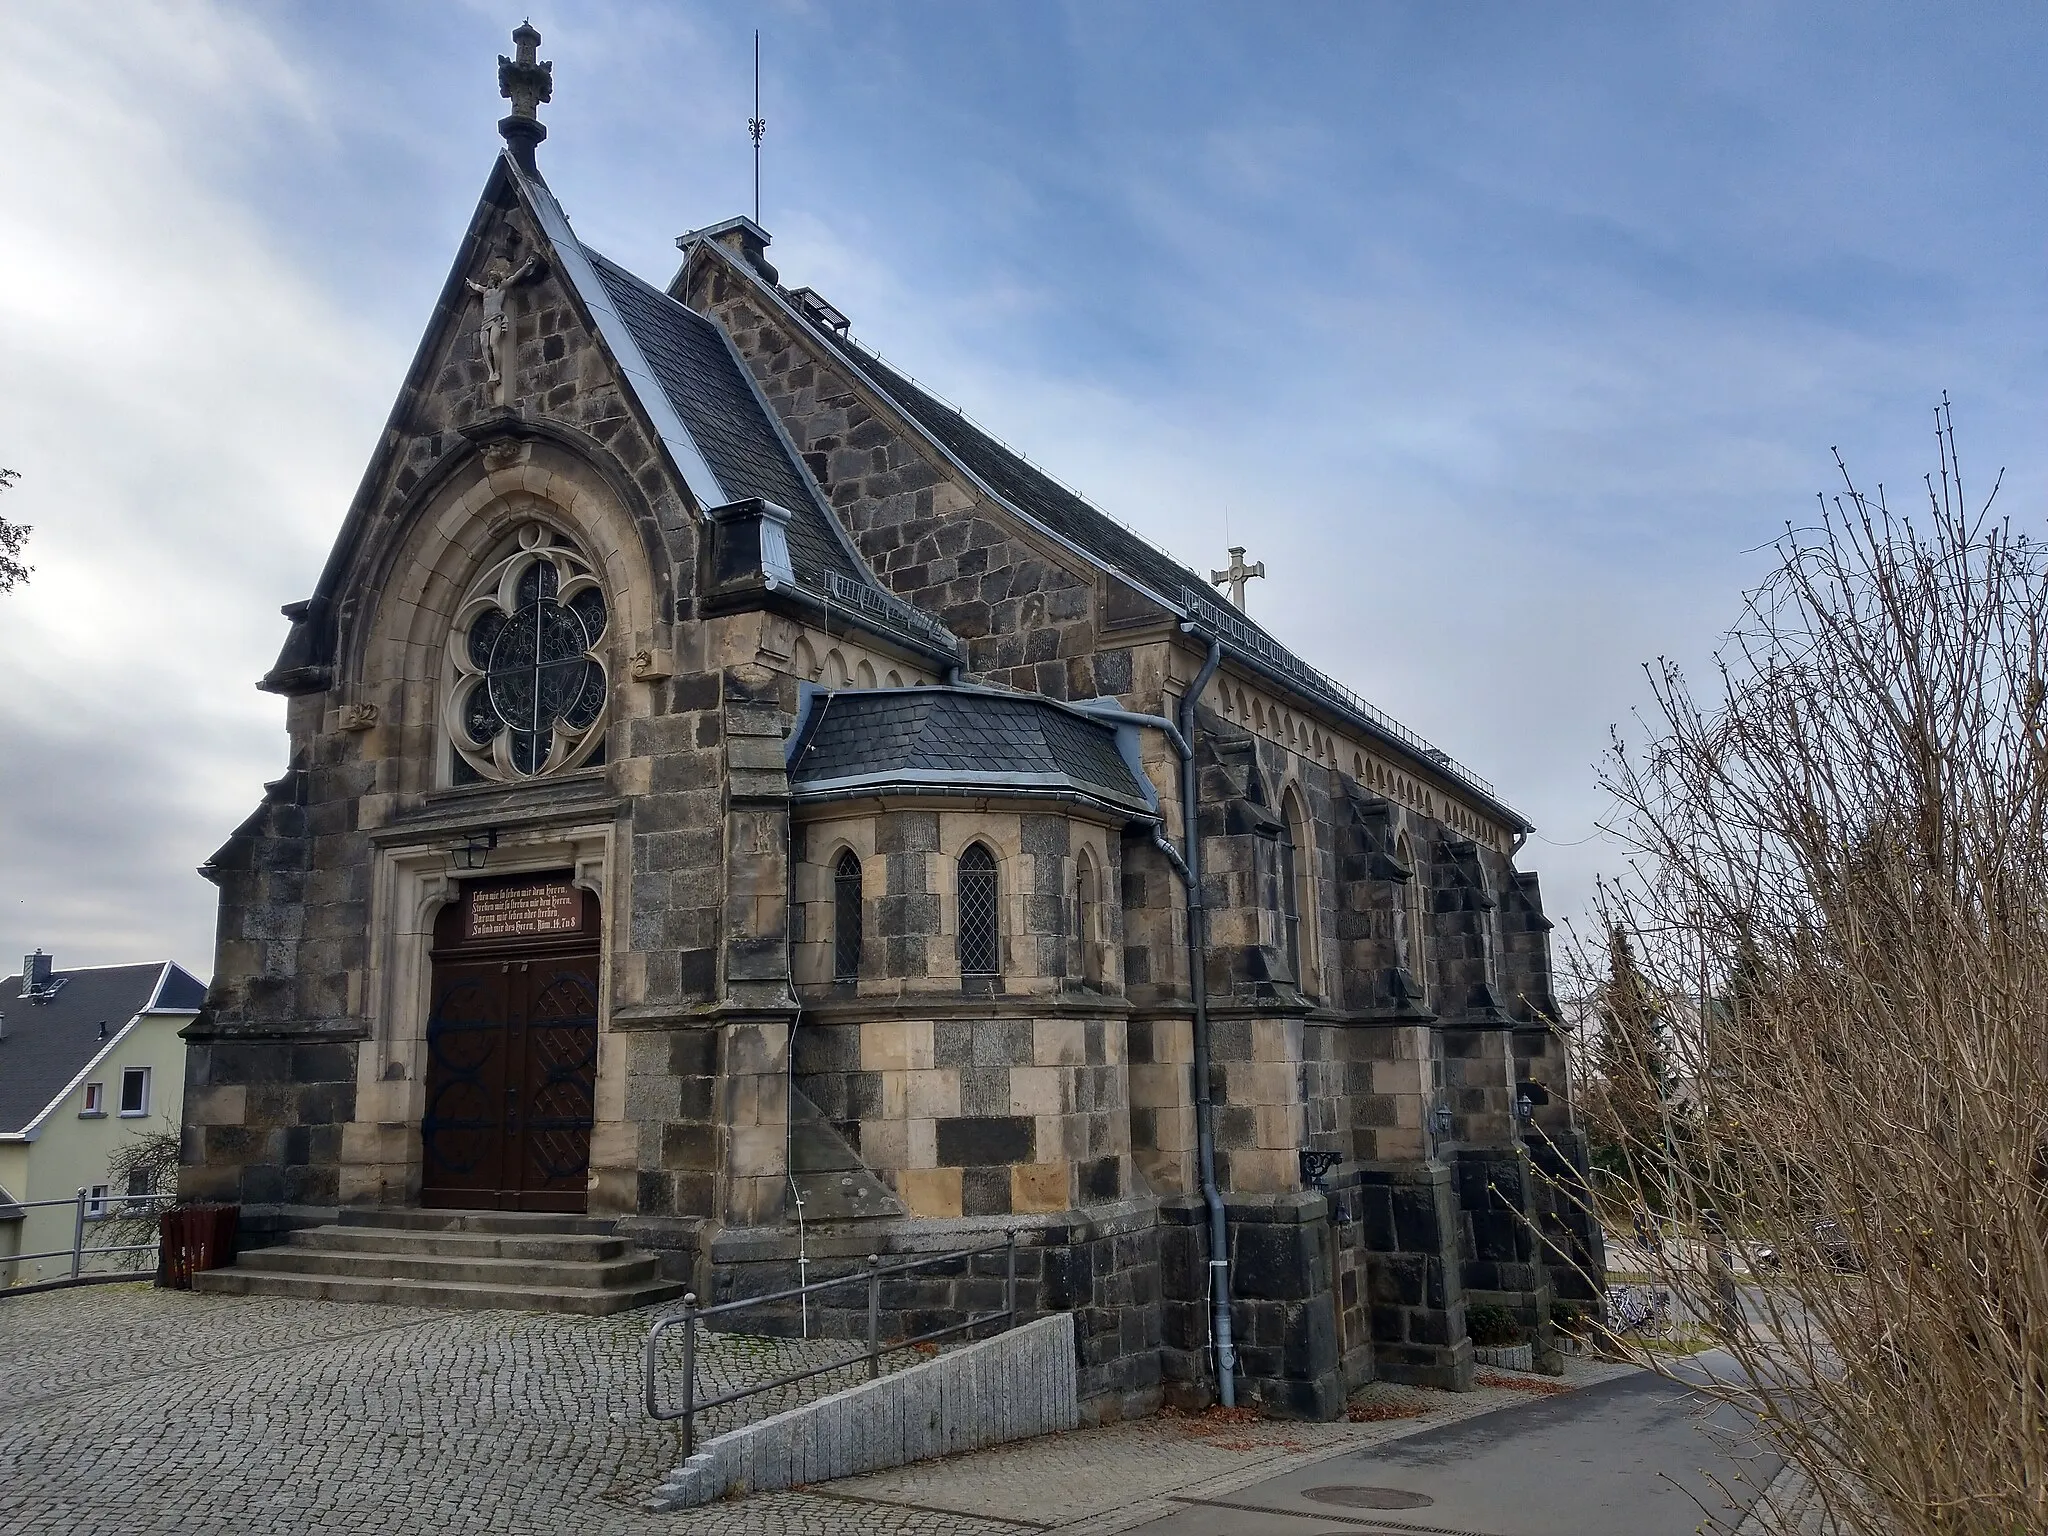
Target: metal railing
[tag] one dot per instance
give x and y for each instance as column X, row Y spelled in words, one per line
column 889, row 608
column 90, row 1207
column 1222, row 620
column 692, row 1315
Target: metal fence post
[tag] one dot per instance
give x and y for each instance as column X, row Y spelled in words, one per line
column 78, row 1238
column 689, row 1373
column 1010, row 1282
column 874, row 1317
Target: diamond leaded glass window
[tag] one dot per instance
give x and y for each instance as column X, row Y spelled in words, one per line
column 846, row 918
column 527, row 687
column 980, row 935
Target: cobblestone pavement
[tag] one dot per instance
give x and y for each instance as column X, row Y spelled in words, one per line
column 126, row 1409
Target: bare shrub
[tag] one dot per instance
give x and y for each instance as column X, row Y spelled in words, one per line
column 1838, row 902
column 143, row 1164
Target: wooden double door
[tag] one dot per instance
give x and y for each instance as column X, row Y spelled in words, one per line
column 512, row 1048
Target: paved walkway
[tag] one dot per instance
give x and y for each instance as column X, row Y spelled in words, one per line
column 125, row 1409
column 1635, row 1456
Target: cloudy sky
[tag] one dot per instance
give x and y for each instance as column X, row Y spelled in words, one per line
column 1504, row 334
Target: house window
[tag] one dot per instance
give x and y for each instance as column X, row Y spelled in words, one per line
column 96, row 1202
column 95, row 1099
column 980, row 934
column 135, row 1091
column 846, row 915
column 140, row 1182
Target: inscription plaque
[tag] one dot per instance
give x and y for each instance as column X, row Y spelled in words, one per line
column 516, row 911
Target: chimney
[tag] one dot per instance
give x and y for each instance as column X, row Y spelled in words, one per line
column 35, row 973
column 740, row 235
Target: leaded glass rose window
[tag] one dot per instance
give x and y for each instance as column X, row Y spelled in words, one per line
column 527, row 686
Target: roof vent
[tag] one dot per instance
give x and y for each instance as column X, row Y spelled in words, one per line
column 819, row 311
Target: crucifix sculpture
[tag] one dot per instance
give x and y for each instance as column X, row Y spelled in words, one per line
column 1238, row 574
column 494, row 334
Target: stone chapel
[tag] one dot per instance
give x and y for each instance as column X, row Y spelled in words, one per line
column 737, row 804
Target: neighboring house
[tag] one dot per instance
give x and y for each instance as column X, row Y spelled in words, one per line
column 88, row 1058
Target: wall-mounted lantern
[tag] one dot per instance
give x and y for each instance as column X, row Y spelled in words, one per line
column 472, row 851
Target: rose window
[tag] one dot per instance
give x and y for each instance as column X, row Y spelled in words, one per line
column 527, row 686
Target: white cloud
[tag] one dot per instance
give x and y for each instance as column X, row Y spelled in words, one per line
column 1500, row 345
column 187, row 414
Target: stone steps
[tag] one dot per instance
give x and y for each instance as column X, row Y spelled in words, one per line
column 459, row 1245
column 571, row 1274
column 542, row 1223
column 460, row 1259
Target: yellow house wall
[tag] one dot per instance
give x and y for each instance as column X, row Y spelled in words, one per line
column 70, row 1150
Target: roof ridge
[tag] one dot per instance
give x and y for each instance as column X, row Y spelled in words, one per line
column 115, row 965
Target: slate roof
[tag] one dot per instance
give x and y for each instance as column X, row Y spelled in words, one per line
column 728, row 420
column 47, row 1044
column 958, row 738
column 1028, row 489
column 1101, row 537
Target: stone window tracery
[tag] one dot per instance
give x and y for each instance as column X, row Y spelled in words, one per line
column 526, row 687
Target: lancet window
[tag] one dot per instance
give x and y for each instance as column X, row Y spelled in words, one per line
column 1415, row 921
column 1087, row 918
column 980, row 930
column 1294, row 895
column 846, row 917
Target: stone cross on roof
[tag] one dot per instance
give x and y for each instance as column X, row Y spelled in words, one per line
column 526, row 82
column 1238, row 574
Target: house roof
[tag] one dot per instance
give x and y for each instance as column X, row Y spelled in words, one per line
column 1099, row 537
column 954, row 740
column 46, row 1044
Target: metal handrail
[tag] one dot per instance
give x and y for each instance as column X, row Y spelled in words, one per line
column 692, row 1315
column 78, row 1252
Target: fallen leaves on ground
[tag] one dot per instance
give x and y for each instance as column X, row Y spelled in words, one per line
column 1373, row 1413
column 1520, row 1383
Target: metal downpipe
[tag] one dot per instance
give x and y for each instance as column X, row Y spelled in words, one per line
column 1198, row 983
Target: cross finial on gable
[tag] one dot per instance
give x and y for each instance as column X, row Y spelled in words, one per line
column 1238, row 574
column 526, row 82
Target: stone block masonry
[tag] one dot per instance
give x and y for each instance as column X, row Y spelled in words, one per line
column 1015, row 1385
